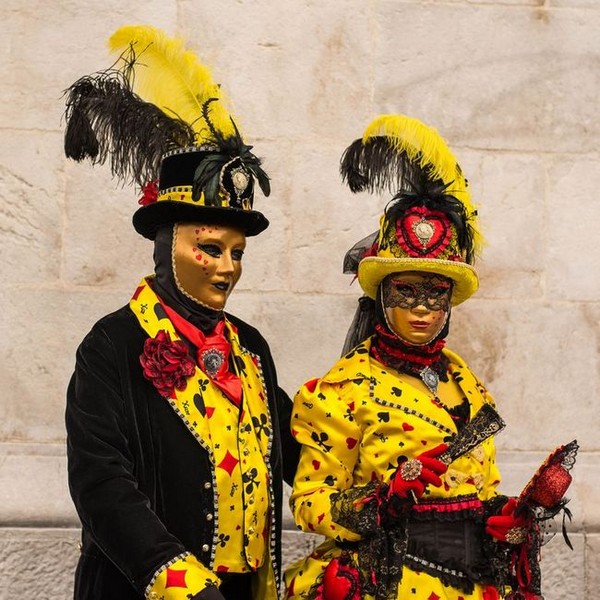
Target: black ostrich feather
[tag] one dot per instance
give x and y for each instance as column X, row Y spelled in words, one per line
column 377, row 166
column 105, row 120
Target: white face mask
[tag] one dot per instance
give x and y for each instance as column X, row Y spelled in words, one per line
column 207, row 262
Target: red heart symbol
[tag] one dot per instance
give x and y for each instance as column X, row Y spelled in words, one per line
column 433, row 228
column 350, row 442
column 407, row 427
column 316, row 464
column 311, row 385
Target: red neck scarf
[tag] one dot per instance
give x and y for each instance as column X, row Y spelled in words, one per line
column 212, row 353
column 390, row 350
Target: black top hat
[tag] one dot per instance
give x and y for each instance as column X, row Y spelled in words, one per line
column 175, row 139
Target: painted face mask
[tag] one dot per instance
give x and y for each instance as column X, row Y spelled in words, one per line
column 416, row 305
column 207, row 262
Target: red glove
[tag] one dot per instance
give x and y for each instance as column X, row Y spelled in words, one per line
column 340, row 582
column 507, row 527
column 414, row 475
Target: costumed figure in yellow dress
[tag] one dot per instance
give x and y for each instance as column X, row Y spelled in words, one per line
column 178, row 433
column 398, row 467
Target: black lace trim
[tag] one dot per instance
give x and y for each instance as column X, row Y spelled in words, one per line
column 381, row 550
column 461, row 413
column 486, row 423
column 357, row 508
column 385, row 548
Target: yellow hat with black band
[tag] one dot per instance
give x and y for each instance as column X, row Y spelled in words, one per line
column 159, row 118
column 429, row 225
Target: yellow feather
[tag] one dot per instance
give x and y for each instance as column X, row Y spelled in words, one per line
column 172, row 77
column 424, row 144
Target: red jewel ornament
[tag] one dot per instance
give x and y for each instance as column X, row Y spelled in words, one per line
column 150, row 193
column 166, row 363
column 423, row 233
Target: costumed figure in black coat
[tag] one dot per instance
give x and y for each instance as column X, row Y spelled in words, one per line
column 178, row 434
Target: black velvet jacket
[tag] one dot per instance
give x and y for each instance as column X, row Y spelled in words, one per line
column 140, row 481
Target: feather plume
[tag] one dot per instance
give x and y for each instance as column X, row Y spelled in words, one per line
column 106, row 120
column 411, row 160
column 424, row 146
column 171, row 77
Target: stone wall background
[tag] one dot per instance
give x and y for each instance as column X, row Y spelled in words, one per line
column 513, row 85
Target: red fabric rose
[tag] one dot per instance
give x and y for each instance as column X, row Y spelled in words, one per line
column 166, row 363
column 150, row 193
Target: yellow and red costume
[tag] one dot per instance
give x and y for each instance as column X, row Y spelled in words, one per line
column 397, row 468
column 354, row 424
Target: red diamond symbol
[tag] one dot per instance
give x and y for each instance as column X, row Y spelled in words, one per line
column 176, row 578
column 138, row 291
column 228, row 463
column 433, row 596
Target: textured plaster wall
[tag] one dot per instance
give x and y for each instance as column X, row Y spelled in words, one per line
column 512, row 84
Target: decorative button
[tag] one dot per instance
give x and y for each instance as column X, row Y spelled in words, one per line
column 205, row 547
column 251, row 500
column 246, row 451
column 209, row 517
column 153, row 596
column 207, row 485
column 251, row 530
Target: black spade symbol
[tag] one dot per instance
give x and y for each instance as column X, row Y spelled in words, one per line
column 199, row 402
column 384, row 416
column 159, row 311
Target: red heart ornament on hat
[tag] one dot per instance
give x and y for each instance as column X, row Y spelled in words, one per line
column 423, row 233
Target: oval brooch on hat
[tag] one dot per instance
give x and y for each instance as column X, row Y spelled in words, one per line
column 423, row 232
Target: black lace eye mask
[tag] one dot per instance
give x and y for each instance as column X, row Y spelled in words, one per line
column 434, row 292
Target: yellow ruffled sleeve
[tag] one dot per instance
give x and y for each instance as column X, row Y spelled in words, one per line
column 180, row 579
column 323, row 422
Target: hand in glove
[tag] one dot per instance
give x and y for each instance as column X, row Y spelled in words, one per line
column 507, row 527
column 340, row 581
column 414, row 475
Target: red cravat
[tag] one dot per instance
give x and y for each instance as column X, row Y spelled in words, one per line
column 212, row 354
